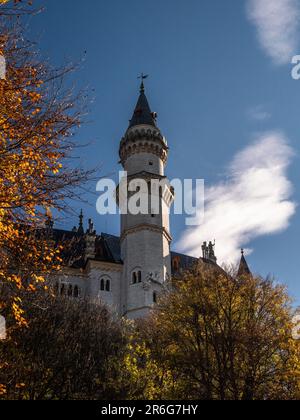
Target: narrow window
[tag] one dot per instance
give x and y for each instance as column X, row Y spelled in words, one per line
column 134, row 278
column 154, row 297
column 139, row 277
column 107, row 287
column 102, row 285
column 70, row 290
column 76, row 292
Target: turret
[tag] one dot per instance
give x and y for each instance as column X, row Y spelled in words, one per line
column 145, row 238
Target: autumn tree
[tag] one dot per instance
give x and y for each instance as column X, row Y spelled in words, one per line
column 38, row 118
column 223, row 337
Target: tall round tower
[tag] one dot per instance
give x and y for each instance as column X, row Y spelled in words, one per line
column 145, row 236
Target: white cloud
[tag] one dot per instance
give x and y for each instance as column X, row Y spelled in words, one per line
column 258, row 113
column 277, row 24
column 253, row 201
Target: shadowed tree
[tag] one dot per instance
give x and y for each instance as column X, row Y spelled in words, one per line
column 73, row 349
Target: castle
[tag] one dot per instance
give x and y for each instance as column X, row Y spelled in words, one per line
column 128, row 272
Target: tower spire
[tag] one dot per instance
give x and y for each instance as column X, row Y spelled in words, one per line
column 244, row 269
column 80, row 227
column 143, row 77
column 142, row 113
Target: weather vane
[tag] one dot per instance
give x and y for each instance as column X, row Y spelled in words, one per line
column 142, row 77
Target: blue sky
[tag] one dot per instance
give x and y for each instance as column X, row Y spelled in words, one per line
column 220, row 81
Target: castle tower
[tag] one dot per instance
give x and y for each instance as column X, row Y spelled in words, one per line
column 145, row 236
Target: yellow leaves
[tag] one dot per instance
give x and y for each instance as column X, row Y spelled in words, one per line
column 34, row 121
column 35, row 97
column 3, row 390
column 18, row 313
column 36, row 111
column 17, row 280
column 38, row 279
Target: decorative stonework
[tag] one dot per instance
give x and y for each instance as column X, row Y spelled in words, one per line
column 143, row 140
column 167, row 194
column 143, row 227
column 106, row 266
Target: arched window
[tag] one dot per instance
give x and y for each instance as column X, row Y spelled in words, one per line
column 134, row 278
column 139, row 276
column 70, row 290
column 107, row 286
column 76, row 292
column 102, row 285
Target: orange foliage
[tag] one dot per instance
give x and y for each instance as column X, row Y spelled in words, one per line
column 36, row 119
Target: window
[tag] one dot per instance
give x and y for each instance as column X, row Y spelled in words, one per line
column 136, row 277
column 102, row 285
column 107, row 286
column 76, row 292
column 139, row 277
column 70, row 290
column 150, row 163
column 154, row 297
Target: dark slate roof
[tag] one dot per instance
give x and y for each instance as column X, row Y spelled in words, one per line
column 73, row 246
column 142, row 113
column 113, row 243
column 185, row 261
column 107, row 249
column 243, row 268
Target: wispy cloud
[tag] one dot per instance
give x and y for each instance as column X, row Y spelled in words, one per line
column 277, row 24
column 258, row 113
column 255, row 200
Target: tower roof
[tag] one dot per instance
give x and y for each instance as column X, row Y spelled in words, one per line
column 243, row 267
column 142, row 113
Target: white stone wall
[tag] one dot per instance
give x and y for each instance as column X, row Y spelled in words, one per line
column 145, row 239
column 145, row 162
column 149, row 252
column 89, row 282
column 106, row 271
